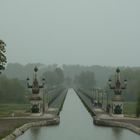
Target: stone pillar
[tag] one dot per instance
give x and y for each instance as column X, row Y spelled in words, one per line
column 117, row 106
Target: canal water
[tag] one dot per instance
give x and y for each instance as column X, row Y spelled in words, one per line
column 77, row 124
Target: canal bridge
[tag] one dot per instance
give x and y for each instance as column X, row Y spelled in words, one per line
column 77, row 124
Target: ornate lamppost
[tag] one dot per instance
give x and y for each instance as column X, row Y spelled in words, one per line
column 100, row 97
column 36, row 99
column 93, row 95
column 117, row 100
column 97, row 95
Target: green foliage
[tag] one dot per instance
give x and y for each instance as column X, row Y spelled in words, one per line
column 68, row 82
column 130, row 108
column 85, row 79
column 133, row 77
column 59, row 75
column 138, row 107
column 102, row 74
column 21, row 72
column 55, row 77
column 11, row 91
column 3, row 59
column 18, row 109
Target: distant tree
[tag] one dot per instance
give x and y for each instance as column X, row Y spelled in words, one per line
column 59, row 75
column 133, row 77
column 50, row 78
column 55, row 77
column 68, row 81
column 11, row 91
column 19, row 71
column 3, row 59
column 86, row 79
column 138, row 106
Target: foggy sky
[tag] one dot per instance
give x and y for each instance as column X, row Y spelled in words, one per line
column 87, row 32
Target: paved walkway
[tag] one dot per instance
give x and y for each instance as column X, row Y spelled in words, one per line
column 101, row 114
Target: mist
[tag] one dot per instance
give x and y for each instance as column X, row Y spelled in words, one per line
column 86, row 32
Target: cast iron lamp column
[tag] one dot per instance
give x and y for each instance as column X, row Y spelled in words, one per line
column 35, row 99
column 117, row 100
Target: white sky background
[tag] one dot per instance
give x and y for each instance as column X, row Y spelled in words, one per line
column 87, row 32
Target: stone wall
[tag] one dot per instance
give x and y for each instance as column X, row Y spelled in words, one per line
column 129, row 126
column 19, row 131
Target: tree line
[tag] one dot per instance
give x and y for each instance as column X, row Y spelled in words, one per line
column 81, row 76
column 12, row 91
column 54, row 77
column 85, row 80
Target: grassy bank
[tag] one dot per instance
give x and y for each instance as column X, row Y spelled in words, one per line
column 130, row 108
column 19, row 109
column 9, row 125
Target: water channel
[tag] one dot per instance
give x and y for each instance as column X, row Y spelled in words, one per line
column 77, row 124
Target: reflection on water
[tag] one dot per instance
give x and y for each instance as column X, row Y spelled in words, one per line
column 35, row 133
column 117, row 133
column 77, row 124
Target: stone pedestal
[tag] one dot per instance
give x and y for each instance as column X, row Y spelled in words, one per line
column 117, row 106
column 36, row 104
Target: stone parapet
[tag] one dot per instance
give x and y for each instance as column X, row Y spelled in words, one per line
column 103, row 122
column 19, row 131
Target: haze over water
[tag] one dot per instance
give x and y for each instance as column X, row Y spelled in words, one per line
column 87, row 32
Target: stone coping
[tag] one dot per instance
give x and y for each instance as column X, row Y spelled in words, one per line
column 104, row 119
column 114, row 123
column 19, row 131
column 45, row 116
column 100, row 117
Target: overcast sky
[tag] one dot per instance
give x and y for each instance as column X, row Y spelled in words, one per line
column 87, row 32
